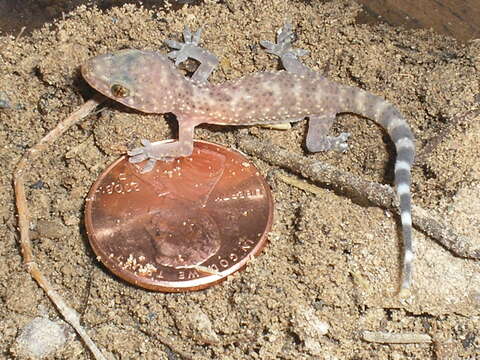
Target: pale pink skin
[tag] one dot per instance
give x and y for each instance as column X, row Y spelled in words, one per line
column 150, row 83
column 155, row 86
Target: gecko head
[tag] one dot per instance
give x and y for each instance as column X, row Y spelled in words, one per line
column 127, row 76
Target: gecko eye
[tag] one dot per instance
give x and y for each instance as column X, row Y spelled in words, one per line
column 119, row 91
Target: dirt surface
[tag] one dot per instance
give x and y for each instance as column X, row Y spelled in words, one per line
column 331, row 269
column 33, row 14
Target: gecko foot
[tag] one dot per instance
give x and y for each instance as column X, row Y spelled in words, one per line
column 139, row 154
column 185, row 49
column 159, row 150
column 283, row 46
column 143, row 153
column 190, row 49
column 326, row 143
column 339, row 143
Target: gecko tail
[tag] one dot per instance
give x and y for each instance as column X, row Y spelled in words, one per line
column 387, row 116
column 402, row 137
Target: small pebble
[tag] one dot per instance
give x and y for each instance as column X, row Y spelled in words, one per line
column 197, row 325
column 52, row 229
column 310, row 329
column 40, row 338
column 4, row 102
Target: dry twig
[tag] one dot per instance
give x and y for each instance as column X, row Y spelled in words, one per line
column 392, row 338
column 358, row 188
column 20, row 33
column 68, row 313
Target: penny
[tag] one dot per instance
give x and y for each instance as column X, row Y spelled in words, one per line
column 185, row 225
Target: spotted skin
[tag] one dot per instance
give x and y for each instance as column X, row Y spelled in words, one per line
column 149, row 82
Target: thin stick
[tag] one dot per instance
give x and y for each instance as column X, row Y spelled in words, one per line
column 356, row 187
column 395, row 338
column 20, row 33
column 68, row 313
column 170, row 344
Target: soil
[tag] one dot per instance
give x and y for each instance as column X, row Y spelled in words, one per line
column 331, row 269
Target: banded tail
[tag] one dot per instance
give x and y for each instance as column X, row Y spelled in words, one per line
column 386, row 115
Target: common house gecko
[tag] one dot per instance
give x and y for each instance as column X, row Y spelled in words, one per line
column 149, row 82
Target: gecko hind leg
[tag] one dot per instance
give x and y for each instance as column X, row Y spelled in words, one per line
column 319, row 125
column 190, row 49
column 289, row 56
column 317, row 140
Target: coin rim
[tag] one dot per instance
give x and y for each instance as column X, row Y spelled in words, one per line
column 177, row 285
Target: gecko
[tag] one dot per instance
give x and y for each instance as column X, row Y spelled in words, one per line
column 149, row 82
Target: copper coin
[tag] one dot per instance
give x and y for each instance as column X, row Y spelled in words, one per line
column 185, row 225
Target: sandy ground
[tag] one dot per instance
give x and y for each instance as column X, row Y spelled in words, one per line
column 331, row 264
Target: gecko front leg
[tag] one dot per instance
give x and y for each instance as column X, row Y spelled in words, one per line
column 319, row 124
column 161, row 150
column 184, row 145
